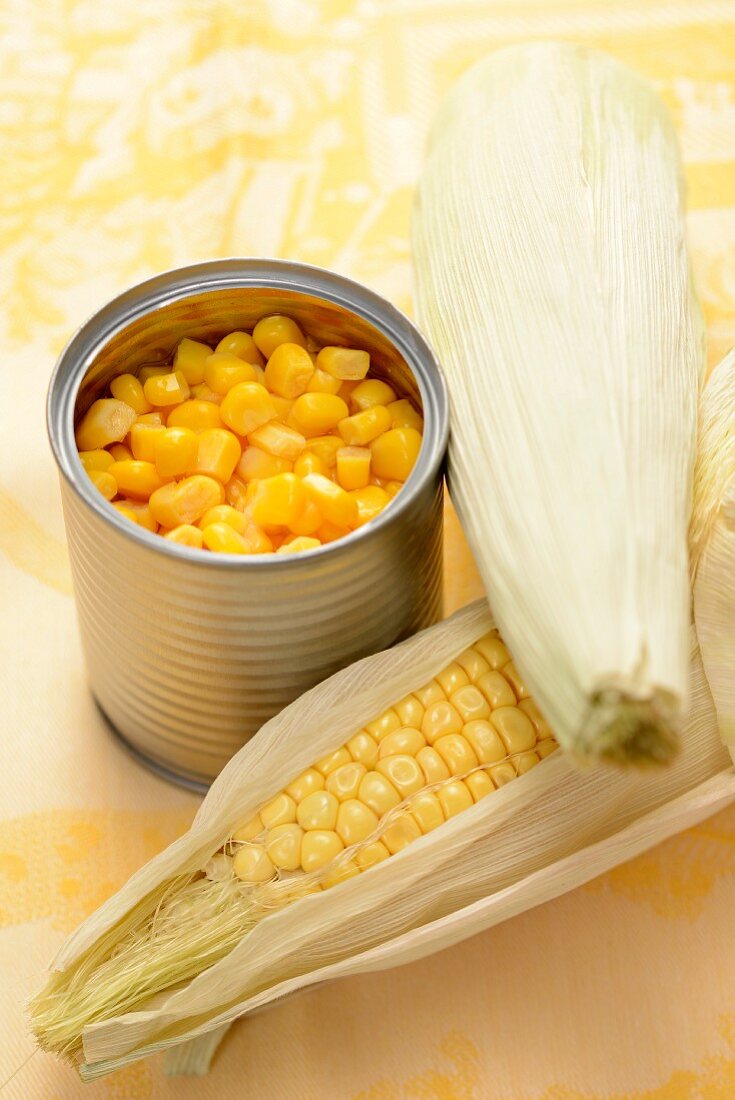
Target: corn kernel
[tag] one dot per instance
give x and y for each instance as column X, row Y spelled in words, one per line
column 236, row 493
column 104, row 482
column 515, row 729
column 127, row 388
column 321, row 382
column 426, row 810
column 403, row 831
column 404, row 772
column 257, row 540
column 432, row 765
column 308, row 781
column 347, row 387
column 196, row 415
column 271, row 332
column 515, row 680
column 545, row 748
column 96, row 460
column 242, row 345
column 502, row 773
column 479, row 784
column 335, row 760
column 454, row 798
column 247, row 407
column 249, row 830
column 288, row 371
column 175, row 451
column 496, row 689
column 347, row 364
column 452, row 677
column 341, row 873
column 143, row 441
column 539, row 723
column 283, row 846
column 326, row 447
column 281, row 810
column 278, row 500
column 404, row 415
column 395, row 452
column 223, row 371
column 364, row 427
column 492, row 649
column 256, row 465
column 278, row 439
column 440, row 719
column 319, row 847
column 335, row 505
column 317, row 811
column 186, row 535
column 310, row 463
column 485, row 741
column 344, row 782
column 140, row 510
column 152, row 372
column 202, row 392
column 331, row 532
column 317, row 413
column 282, row 405
column 378, row 793
column 252, row 865
column 371, row 854
column 371, row 392
column 392, row 488
column 218, row 453
column 297, row 544
column 470, row 703
column 105, row 421
column 136, row 479
column 353, row 467
column 224, row 513
column 370, row 503
column 119, row 453
column 401, row 742
column 364, row 749
column 189, row 358
column 308, row 521
column 167, row 389
column 457, row 753
column 473, row 663
column 430, row 693
column 525, row 761
column 223, row 539
column 410, row 711
column 385, row 724
column 185, row 501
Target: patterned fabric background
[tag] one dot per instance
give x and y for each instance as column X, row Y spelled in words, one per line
column 140, row 136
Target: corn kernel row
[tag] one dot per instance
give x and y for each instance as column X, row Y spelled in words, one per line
column 429, row 757
column 266, row 443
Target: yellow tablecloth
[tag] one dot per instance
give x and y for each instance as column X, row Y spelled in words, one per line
column 140, row 136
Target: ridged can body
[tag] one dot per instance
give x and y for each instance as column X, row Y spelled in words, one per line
column 188, row 652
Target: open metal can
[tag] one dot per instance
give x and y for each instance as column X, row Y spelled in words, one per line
column 187, row 652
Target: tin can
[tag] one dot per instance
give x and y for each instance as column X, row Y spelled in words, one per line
column 189, row 653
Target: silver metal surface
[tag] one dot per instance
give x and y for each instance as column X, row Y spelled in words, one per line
column 188, row 653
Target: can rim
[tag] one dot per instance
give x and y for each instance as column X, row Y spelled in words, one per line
column 242, row 272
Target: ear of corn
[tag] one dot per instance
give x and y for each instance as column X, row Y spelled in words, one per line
column 552, row 279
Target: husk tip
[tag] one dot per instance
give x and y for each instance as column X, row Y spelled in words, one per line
column 625, row 730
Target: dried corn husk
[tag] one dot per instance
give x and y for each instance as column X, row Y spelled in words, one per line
column 491, row 861
column 552, row 277
column 712, row 541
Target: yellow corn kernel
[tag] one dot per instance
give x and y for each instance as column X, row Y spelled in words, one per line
column 515, row 680
column 371, row 392
column 426, row 809
column 236, row 493
column 470, row 703
column 202, row 392
column 308, row 781
column 353, row 467
column 496, row 689
column 404, row 772
column 344, row 782
column 440, row 719
column 96, row 460
column 321, row 382
column 404, row 415
column 403, row 831
column 401, row 742
column 196, row 415
column 502, row 773
column 218, row 453
column 310, row 463
column 545, row 748
column 515, row 728
column 140, row 510
column 492, row 649
column 317, row 811
column 127, row 388
column 185, row 501
column 223, row 371
column 525, row 761
column 371, row 854
column 315, row 414
column 335, row 505
column 385, row 724
column 152, row 372
column 224, row 513
column 297, row 544
column 278, row 439
column 393, row 488
column 364, row 427
column 331, row 532
column 189, row 358
column 539, row 723
column 278, row 500
column 452, row 677
column 104, row 483
column 105, row 421
column 288, row 371
column 395, row 452
column 307, row 522
column 485, row 741
column 473, row 663
column 271, row 332
column 186, row 535
column 335, row 760
column 242, row 345
column 430, row 693
column 257, row 540
column 457, row 753
column 252, row 865
column 432, row 765
column 363, row 749
column 136, row 479
column 454, row 798
column 370, row 503
column 325, row 447
column 347, row 387
column 119, row 453
column 255, row 465
column 283, row 846
column 246, row 407
column 479, row 784
column 282, row 405
column 175, row 451
column 167, row 389
column 410, row 711
column 249, row 830
column 319, row 847
column 143, row 441
column 341, row 873
column 281, row 810
column 220, row 538
column 347, row 364
column 378, row 793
